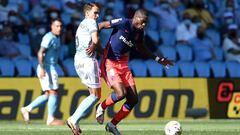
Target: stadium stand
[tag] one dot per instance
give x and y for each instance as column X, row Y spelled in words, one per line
column 172, row 71
column 69, row 65
column 24, row 67
column 168, row 51
column 202, row 68
column 186, row 68
column 36, row 13
column 138, row 67
column 168, row 38
column 154, row 69
column 184, row 52
column 218, row 68
column 233, row 69
column 7, row 68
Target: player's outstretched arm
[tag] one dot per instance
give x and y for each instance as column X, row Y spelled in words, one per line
column 104, row 25
column 160, row 59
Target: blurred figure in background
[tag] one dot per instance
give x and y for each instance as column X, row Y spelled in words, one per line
column 4, row 9
column 167, row 16
column 227, row 20
column 18, row 24
column 200, row 11
column 185, row 30
column 47, row 74
column 8, row 47
column 52, row 13
column 229, row 6
column 231, row 44
column 69, row 41
column 202, row 46
column 36, row 38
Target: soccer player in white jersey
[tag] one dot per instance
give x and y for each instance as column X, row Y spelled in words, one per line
column 86, row 65
column 46, row 72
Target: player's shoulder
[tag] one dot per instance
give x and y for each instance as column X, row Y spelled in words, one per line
column 89, row 21
column 48, row 35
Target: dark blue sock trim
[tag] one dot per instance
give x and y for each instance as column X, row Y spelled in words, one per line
column 114, row 97
column 127, row 106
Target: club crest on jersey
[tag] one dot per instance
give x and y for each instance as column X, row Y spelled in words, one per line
column 129, row 43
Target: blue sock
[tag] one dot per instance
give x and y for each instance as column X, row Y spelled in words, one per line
column 84, row 108
column 39, row 101
column 52, row 105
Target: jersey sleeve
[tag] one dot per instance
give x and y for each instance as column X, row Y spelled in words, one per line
column 139, row 37
column 45, row 41
column 92, row 26
column 117, row 22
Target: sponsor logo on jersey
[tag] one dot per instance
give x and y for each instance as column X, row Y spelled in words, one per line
column 129, row 43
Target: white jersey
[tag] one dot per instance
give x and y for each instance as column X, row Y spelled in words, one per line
column 83, row 36
column 86, row 67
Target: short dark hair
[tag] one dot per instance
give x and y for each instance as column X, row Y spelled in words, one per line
column 56, row 19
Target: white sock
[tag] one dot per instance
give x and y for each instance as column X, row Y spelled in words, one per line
column 49, row 119
column 28, row 108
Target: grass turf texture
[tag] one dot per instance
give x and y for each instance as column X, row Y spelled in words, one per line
column 134, row 127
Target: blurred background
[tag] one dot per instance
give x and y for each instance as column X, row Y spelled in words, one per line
column 201, row 36
column 194, row 33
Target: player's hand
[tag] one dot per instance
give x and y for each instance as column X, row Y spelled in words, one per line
column 165, row 62
column 90, row 50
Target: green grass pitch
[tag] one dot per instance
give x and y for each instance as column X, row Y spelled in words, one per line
column 127, row 127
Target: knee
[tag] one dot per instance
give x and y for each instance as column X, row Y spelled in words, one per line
column 121, row 95
column 95, row 97
column 134, row 101
column 96, row 92
column 52, row 92
column 98, row 97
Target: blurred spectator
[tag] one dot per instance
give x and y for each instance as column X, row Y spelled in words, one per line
column 228, row 19
column 52, row 13
column 180, row 6
column 19, row 25
column 168, row 19
column 108, row 14
column 71, row 6
column 37, row 15
column 5, row 7
column 186, row 30
column 132, row 6
column 213, row 6
column 36, row 37
column 69, row 40
column 231, row 44
column 199, row 11
column 8, row 47
column 75, row 21
column 52, row 4
column 229, row 6
column 202, row 46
